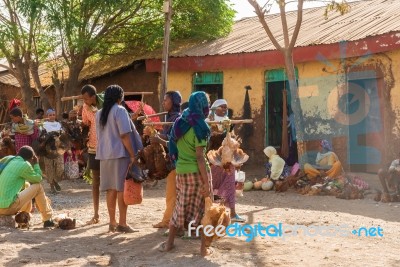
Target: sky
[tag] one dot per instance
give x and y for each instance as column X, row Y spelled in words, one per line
column 244, row 9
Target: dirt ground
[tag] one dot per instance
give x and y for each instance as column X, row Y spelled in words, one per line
column 93, row 246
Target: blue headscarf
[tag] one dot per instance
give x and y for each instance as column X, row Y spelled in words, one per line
column 192, row 117
column 326, row 145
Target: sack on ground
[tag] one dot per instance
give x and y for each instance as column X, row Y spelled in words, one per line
column 71, row 168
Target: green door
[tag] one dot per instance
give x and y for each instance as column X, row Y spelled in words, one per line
column 276, row 81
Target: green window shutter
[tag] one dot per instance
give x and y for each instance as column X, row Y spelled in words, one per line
column 208, row 78
column 278, row 75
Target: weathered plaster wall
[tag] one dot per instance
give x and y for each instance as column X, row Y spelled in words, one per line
column 321, row 84
column 233, row 90
column 320, row 87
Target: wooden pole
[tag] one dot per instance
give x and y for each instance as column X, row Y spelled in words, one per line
column 209, row 122
column 167, row 9
column 66, row 98
column 151, row 115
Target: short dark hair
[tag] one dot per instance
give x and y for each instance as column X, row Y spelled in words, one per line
column 16, row 112
column 65, row 115
column 26, row 152
column 39, row 110
column 89, row 89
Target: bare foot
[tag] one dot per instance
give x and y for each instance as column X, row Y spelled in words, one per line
column 165, row 247
column 207, row 252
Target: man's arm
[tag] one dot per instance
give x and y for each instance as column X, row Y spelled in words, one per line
column 32, row 174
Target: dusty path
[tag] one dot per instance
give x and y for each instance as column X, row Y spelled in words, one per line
column 92, row 246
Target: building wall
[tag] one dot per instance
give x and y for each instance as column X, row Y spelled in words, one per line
column 131, row 79
column 7, row 93
column 320, row 84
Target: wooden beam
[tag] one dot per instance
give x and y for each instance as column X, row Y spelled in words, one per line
column 151, row 115
column 209, row 122
column 66, row 98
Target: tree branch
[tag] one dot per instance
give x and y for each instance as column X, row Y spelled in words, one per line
column 261, row 17
column 298, row 24
column 285, row 30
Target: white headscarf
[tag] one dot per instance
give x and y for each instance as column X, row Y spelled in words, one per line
column 277, row 163
column 219, row 102
column 269, row 151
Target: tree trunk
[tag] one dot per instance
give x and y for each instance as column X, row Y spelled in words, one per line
column 71, row 85
column 23, row 77
column 285, row 141
column 34, row 68
column 57, row 89
column 294, row 92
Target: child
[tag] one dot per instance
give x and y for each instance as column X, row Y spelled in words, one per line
column 187, row 145
column 54, row 167
column 71, row 157
column 23, row 128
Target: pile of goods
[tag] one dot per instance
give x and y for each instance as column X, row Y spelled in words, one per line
column 265, row 184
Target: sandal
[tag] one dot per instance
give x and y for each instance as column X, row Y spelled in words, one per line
column 126, row 229
column 93, row 221
column 163, row 247
column 57, row 186
column 112, row 228
column 237, row 218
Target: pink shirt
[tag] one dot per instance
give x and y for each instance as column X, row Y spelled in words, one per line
column 88, row 118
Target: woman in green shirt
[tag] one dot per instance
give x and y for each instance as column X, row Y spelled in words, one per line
column 187, row 146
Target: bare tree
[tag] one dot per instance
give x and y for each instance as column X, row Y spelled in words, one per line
column 20, row 24
column 289, row 42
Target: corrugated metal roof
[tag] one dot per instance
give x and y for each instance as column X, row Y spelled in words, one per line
column 366, row 18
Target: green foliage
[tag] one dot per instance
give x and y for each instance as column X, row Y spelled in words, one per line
column 201, row 19
column 107, row 27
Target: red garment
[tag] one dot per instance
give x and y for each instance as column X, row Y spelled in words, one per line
column 14, row 103
column 25, row 140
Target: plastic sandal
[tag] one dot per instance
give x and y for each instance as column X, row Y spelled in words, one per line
column 237, row 218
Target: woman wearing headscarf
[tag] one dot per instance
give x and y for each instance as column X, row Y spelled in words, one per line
column 118, row 142
column 327, row 163
column 223, row 181
column 187, row 145
column 276, row 166
column 172, row 105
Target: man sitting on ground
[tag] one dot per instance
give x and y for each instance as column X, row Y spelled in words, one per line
column 21, row 168
column 390, row 179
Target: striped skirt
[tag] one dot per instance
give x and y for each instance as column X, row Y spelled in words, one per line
column 189, row 201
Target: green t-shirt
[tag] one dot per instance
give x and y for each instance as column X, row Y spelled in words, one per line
column 187, row 160
column 13, row 178
column 100, row 100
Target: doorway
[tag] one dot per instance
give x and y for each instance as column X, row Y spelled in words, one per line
column 209, row 82
column 276, row 82
column 363, row 106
